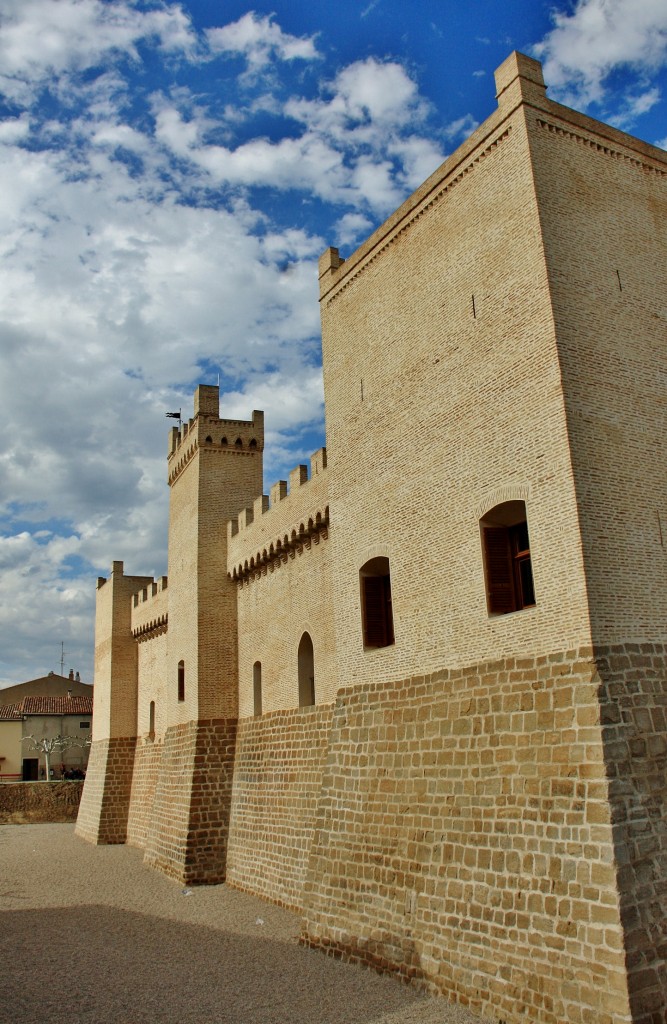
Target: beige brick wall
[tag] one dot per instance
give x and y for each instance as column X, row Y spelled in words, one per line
column 153, row 684
column 443, row 398
column 210, row 481
column 603, row 206
column 276, row 607
column 187, row 834
column 115, row 702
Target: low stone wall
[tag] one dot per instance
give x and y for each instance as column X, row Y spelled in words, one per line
column 463, row 838
column 30, row 802
column 277, row 780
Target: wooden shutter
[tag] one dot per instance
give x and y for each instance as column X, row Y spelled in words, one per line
column 375, row 619
column 499, row 570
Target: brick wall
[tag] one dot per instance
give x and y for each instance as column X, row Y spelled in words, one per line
column 277, row 780
column 603, row 205
column 464, row 838
column 297, row 605
column 443, row 399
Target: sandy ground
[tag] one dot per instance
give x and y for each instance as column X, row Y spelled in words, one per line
column 88, row 935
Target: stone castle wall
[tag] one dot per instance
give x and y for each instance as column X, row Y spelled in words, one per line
column 633, row 708
column 189, row 821
column 483, row 807
column 280, row 758
column 147, row 763
column 275, row 552
column 603, row 207
column 443, row 399
column 463, row 838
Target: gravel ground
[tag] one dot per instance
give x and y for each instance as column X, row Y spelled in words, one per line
column 89, row 936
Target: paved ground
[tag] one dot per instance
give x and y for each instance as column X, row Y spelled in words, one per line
column 88, row 935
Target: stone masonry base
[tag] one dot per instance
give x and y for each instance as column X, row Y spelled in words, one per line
column 189, row 827
column 496, row 833
column 106, row 793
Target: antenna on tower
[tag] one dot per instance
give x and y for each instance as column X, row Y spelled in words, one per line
column 62, row 657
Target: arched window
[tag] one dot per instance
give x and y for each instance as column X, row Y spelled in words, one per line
column 151, row 720
column 377, row 619
column 257, row 687
column 209, row 439
column 181, row 680
column 306, row 666
column 238, row 442
column 223, row 440
column 507, row 565
column 253, row 443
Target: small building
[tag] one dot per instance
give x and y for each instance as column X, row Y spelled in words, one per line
column 44, row 717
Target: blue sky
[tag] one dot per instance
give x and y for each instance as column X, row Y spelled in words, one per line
column 169, row 174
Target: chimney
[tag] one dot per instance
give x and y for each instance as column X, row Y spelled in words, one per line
column 71, row 674
column 77, row 678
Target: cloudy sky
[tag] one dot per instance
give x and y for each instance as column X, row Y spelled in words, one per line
column 169, row 174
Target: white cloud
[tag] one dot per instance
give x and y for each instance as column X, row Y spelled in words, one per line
column 260, row 40
column 359, row 143
column 351, row 228
column 14, row 129
column 584, row 47
column 138, row 257
column 43, row 39
column 39, row 608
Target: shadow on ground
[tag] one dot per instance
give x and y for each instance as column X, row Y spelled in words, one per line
column 98, row 964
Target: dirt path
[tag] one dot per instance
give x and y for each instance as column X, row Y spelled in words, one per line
column 89, row 935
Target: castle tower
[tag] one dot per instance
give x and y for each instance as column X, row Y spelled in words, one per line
column 215, row 469
column 106, row 798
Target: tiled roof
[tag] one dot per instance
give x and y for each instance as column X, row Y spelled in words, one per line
column 47, row 706
column 10, row 713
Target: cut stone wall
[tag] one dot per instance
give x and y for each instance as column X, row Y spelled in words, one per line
column 277, row 780
column 106, row 793
column 464, row 838
column 147, row 762
column 189, row 826
column 633, row 701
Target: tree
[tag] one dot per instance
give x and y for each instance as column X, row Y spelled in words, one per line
column 48, row 744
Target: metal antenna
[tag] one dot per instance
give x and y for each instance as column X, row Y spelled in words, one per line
column 62, row 657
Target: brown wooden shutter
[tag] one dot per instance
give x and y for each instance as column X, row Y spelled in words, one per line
column 499, row 571
column 375, row 619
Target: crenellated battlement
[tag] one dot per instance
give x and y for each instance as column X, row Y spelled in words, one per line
column 206, row 430
column 295, row 511
column 149, row 614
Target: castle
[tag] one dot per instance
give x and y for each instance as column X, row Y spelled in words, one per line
column 418, row 693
